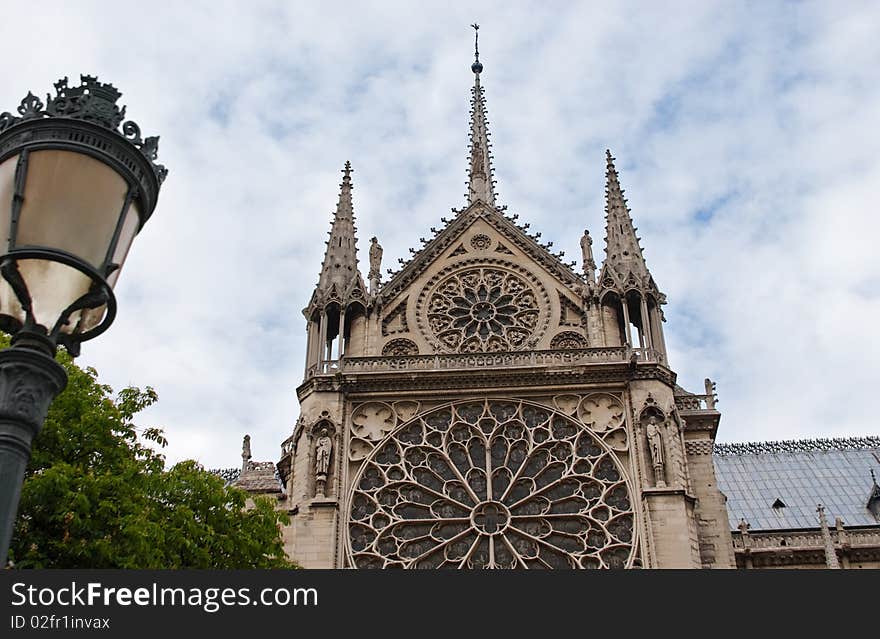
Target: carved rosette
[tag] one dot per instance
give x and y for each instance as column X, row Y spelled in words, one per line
column 491, row 484
column 481, row 242
column 485, row 308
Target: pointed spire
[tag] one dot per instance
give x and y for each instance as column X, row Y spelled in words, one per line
column 340, row 259
column 622, row 250
column 480, row 186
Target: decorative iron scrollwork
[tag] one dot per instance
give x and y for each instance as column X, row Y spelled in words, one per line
column 91, row 101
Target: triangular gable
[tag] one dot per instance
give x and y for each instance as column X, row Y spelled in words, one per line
column 451, row 236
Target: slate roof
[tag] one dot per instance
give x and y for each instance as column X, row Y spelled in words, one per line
column 800, row 474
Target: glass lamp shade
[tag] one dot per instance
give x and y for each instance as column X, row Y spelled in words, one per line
column 69, row 220
column 71, row 203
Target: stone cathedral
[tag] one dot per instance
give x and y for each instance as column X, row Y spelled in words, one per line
column 489, row 405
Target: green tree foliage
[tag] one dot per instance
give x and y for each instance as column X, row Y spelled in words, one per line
column 96, row 496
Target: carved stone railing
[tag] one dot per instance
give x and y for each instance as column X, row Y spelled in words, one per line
column 330, row 367
column 695, row 402
column 470, row 361
column 812, row 540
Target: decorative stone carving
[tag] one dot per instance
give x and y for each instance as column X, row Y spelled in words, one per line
column 601, row 412
column 567, row 403
column 483, row 309
column 698, row 447
column 481, row 242
column 358, row 449
column 372, row 421
column 395, row 321
column 491, row 484
column 568, row 340
column 616, row 440
column 570, row 314
column 503, row 249
column 459, row 251
column 400, row 347
column 405, row 410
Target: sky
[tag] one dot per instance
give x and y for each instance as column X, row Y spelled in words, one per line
column 746, row 136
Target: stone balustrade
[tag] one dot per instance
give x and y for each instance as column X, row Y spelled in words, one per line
column 778, row 541
column 470, row 361
column 695, row 402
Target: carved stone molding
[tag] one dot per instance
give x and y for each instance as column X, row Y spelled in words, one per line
column 698, row 447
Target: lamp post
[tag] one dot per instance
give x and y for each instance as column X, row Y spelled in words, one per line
column 74, row 192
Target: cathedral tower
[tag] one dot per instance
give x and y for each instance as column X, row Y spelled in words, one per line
column 489, row 406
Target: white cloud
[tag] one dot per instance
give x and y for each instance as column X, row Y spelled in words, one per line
column 765, row 118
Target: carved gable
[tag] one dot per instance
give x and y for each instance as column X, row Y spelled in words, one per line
column 481, row 285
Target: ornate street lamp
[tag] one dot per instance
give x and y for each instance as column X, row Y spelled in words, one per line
column 74, row 192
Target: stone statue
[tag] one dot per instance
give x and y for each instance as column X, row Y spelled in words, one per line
column 655, row 447
column 323, row 448
column 245, row 452
column 375, row 264
column 587, row 252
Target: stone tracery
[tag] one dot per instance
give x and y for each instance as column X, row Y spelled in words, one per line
column 483, row 309
column 491, row 484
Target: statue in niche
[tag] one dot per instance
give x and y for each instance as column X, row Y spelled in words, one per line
column 655, row 448
column 323, row 450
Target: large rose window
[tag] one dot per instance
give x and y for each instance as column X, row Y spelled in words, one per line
column 491, row 484
column 483, row 310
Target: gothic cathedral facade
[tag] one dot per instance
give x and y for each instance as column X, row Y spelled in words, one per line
column 491, row 406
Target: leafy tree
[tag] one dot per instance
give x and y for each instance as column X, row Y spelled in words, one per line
column 96, row 496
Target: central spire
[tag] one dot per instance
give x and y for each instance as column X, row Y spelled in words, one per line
column 480, row 183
